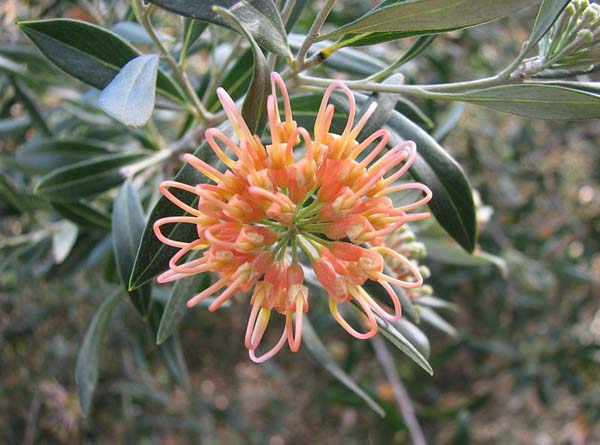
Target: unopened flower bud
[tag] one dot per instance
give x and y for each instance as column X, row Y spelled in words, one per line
column 585, row 35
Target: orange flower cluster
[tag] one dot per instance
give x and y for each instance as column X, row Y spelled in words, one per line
column 321, row 200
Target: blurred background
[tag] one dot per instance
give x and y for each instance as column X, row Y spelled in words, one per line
column 517, row 362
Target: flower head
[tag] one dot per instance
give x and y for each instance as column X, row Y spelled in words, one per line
column 323, row 200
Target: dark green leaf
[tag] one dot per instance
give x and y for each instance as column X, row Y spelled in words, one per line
column 153, row 256
column 86, row 178
column 311, row 341
column 45, row 155
column 254, row 109
column 259, row 17
column 88, row 52
column 547, row 15
column 130, row 95
column 536, row 100
column 452, row 202
column 401, row 19
column 86, row 370
column 128, row 225
column 176, row 308
column 83, row 214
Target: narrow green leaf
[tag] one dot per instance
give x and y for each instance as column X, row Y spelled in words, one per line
column 311, row 341
column 86, row 370
column 254, row 109
column 415, row 335
column 136, row 34
column 447, row 251
column 192, row 29
column 449, row 122
column 436, row 303
column 83, row 214
column 547, row 15
column 259, row 17
column 45, row 155
column 432, row 318
column 63, row 240
column 401, row 342
column 153, row 256
column 418, row 17
column 88, row 52
column 417, row 47
column 536, row 100
column 130, row 95
column 175, row 309
column 86, row 178
column 452, row 203
column 128, row 223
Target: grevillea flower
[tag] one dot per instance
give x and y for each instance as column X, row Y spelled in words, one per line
column 323, row 200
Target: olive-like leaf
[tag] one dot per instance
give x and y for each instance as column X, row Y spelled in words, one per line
column 547, row 15
column 89, row 53
column 399, row 19
column 129, row 97
column 452, row 203
column 259, row 17
column 128, row 223
column 83, row 214
column 432, row 318
column 254, row 109
column 86, row 369
column 86, row 178
column 136, row 34
column 415, row 335
column 536, row 100
column 317, row 349
column 45, row 155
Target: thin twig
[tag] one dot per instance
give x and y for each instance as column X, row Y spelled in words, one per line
column 142, row 13
column 404, row 403
column 312, row 33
